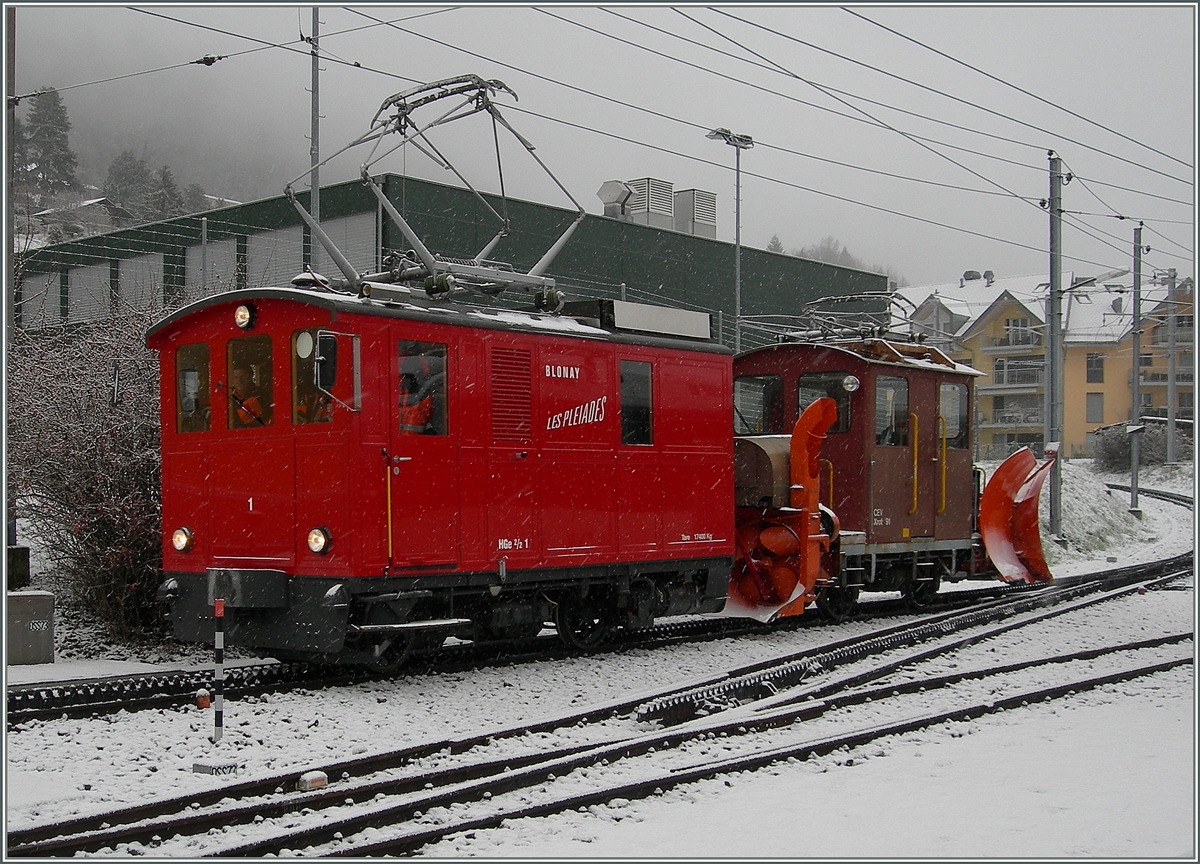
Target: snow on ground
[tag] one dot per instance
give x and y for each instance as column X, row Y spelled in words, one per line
column 1109, row 773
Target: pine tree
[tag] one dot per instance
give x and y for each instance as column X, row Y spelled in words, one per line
column 52, row 164
column 776, row 245
column 194, row 199
column 128, row 181
column 163, row 199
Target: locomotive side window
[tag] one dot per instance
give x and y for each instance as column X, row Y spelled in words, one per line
column 192, row 409
column 251, row 400
column 309, row 404
column 816, row 385
column 637, row 426
column 758, row 405
column 891, row 411
column 953, row 408
column 422, row 388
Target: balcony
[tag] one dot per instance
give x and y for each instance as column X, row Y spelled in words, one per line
column 1013, row 417
column 1183, row 378
column 1013, row 342
column 1184, row 336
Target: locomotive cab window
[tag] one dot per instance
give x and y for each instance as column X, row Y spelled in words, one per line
column 637, row 426
column 249, row 388
column 954, row 410
column 422, row 388
column 816, row 385
column 192, row 408
column 891, row 411
column 309, row 403
column 758, row 405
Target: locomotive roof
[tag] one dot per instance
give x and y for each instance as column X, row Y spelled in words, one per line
column 418, row 308
column 885, row 352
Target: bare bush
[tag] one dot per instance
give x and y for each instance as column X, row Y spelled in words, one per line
column 84, row 462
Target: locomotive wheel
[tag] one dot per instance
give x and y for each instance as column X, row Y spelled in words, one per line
column 836, row 602
column 580, row 623
column 391, row 655
column 921, row 595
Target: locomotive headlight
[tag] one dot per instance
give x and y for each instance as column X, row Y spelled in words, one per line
column 243, row 316
column 181, row 539
column 319, row 540
column 850, row 383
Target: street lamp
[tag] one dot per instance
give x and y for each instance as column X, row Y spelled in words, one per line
column 738, row 143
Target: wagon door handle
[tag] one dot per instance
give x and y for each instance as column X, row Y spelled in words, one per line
column 396, row 460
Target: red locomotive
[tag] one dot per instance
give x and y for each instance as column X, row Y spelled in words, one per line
column 362, row 469
column 358, row 478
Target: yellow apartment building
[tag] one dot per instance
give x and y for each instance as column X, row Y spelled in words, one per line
column 998, row 327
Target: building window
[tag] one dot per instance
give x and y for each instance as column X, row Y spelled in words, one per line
column 1185, row 406
column 1017, row 332
column 1095, row 368
column 1095, row 408
column 1146, row 360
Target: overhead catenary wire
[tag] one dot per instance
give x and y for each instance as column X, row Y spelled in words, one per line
column 634, row 107
column 901, row 132
column 775, row 69
column 957, row 99
column 1017, row 88
column 800, row 187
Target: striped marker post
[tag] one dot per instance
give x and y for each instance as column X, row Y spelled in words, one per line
column 219, row 671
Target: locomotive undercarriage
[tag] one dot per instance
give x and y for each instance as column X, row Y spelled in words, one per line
column 917, row 575
column 381, row 622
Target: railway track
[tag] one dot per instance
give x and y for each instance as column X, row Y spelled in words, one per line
column 477, row 782
column 175, row 688
column 178, row 687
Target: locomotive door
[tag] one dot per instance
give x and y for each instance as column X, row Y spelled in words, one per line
column 422, row 460
column 955, row 504
column 903, row 459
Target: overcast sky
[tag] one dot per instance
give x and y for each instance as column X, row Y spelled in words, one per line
column 927, row 183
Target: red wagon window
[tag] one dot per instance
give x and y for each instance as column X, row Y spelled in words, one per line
column 758, row 405
column 815, row 385
column 954, row 410
column 249, row 388
column 192, row 409
column 422, row 386
column 309, row 404
column 891, row 411
column 637, row 424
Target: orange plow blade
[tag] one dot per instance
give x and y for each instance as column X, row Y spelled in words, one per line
column 778, row 550
column 1008, row 518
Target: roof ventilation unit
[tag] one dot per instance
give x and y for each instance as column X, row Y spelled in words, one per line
column 696, row 212
column 653, row 203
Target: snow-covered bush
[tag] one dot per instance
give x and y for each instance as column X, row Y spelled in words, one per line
column 83, row 461
column 1112, row 446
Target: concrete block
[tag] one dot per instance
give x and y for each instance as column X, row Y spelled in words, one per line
column 30, row 627
column 312, row 780
column 219, row 767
